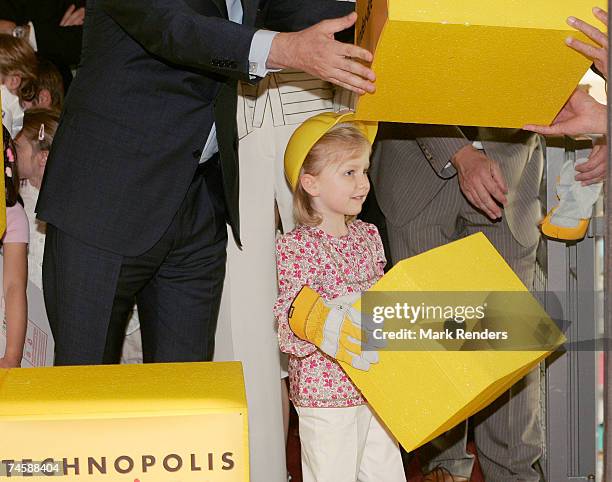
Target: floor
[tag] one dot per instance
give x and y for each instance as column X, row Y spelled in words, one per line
column 413, row 473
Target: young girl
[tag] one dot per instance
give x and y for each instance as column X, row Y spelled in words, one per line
column 14, row 253
column 33, row 144
column 326, row 163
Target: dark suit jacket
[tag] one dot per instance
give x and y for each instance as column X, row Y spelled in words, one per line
column 153, row 77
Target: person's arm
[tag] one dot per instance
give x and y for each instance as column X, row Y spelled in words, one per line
column 598, row 52
column 481, row 181
column 479, row 177
column 439, row 143
column 61, row 45
column 580, row 115
column 73, row 16
column 15, row 278
column 295, row 15
column 594, row 170
column 317, row 38
column 314, row 50
column 14, row 11
column 290, row 282
column 173, row 31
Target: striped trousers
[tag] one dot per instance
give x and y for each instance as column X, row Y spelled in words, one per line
column 508, row 433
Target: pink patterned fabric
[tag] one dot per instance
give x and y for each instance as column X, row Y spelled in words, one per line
column 333, row 267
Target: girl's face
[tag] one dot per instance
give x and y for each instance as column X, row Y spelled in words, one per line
column 26, row 159
column 341, row 187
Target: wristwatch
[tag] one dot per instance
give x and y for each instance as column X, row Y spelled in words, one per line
column 20, row 31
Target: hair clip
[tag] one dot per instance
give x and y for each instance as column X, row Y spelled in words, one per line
column 9, row 154
column 8, row 171
column 41, row 132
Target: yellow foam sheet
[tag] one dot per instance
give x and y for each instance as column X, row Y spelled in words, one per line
column 132, row 422
column 496, row 63
column 421, row 394
column 2, row 197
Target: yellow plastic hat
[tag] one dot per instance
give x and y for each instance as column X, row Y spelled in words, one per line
column 307, row 135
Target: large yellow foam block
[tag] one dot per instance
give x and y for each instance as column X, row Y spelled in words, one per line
column 153, row 423
column 497, row 63
column 421, row 394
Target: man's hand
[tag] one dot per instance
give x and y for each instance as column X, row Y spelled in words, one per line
column 481, row 180
column 594, row 170
column 73, row 17
column 315, row 51
column 580, row 115
column 598, row 54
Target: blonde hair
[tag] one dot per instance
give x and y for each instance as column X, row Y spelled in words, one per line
column 336, row 145
column 18, row 58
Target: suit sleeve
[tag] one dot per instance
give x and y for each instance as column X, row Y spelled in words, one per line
column 294, row 15
column 439, row 144
column 173, row 31
column 14, row 11
column 61, row 45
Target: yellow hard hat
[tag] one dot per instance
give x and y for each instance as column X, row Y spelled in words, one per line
column 307, row 135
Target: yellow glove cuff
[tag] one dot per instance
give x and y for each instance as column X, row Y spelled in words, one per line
column 307, row 315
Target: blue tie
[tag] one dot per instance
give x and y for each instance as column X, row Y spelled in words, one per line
column 234, row 10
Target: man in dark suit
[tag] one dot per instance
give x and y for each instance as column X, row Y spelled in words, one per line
column 143, row 172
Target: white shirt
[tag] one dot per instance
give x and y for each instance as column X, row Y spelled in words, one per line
column 258, row 56
column 12, row 113
column 36, row 248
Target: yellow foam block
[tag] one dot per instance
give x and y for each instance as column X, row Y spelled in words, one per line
column 149, row 423
column 421, row 394
column 497, row 63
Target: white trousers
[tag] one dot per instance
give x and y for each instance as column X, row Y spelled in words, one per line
column 347, row 445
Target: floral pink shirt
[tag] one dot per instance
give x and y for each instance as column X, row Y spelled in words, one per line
column 333, row 267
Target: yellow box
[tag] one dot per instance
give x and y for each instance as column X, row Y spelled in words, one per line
column 174, row 422
column 422, row 394
column 496, row 63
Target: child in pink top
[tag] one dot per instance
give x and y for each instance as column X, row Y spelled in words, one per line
column 335, row 255
column 15, row 259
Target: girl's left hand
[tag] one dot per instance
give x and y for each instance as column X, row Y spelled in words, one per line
column 598, row 54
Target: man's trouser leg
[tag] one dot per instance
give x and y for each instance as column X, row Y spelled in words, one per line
column 434, row 227
column 508, row 432
column 89, row 292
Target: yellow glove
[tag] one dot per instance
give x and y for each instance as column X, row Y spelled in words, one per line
column 333, row 326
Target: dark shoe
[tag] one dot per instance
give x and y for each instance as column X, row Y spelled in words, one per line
column 440, row 474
